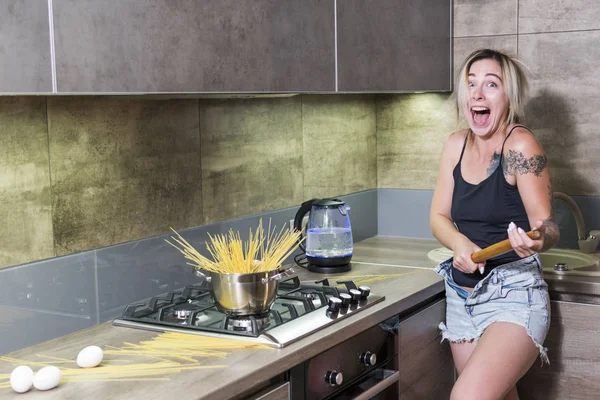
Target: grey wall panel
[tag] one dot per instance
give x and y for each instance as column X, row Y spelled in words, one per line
column 46, row 299
column 536, row 16
column 485, row 17
column 563, row 110
column 363, row 214
column 61, row 286
column 404, row 212
column 25, row 47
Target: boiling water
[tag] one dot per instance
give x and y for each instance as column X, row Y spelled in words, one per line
column 329, row 242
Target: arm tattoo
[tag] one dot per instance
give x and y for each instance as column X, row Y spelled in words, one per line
column 551, row 197
column 516, row 163
column 552, row 233
column 493, row 163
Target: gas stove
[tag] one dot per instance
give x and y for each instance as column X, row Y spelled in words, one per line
column 299, row 310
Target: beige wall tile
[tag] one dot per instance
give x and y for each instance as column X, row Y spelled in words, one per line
column 536, row 16
column 339, row 145
column 251, row 156
column 122, row 169
column 563, row 111
column 485, row 17
column 25, row 202
column 411, row 130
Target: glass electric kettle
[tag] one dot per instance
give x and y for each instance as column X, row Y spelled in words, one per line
column 328, row 245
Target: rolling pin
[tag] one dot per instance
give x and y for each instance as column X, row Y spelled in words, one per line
column 499, row 248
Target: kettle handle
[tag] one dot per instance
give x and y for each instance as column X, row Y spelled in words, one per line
column 302, row 211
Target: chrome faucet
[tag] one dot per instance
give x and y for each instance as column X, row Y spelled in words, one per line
column 587, row 242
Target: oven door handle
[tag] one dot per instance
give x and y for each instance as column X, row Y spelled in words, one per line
column 389, row 377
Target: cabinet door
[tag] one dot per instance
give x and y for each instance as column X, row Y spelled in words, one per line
column 572, row 342
column 154, row 46
column 25, row 47
column 426, row 366
column 394, row 45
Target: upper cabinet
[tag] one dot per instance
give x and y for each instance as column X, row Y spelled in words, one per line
column 25, row 65
column 394, row 45
column 224, row 46
column 157, row 46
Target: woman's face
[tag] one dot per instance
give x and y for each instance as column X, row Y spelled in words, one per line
column 488, row 103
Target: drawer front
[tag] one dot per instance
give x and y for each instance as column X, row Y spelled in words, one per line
column 350, row 359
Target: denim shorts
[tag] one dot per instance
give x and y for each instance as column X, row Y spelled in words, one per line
column 513, row 292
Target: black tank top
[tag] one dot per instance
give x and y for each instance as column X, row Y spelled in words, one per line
column 482, row 213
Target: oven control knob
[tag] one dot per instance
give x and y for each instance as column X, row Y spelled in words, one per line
column 365, row 291
column 346, row 299
column 368, row 358
column 334, row 304
column 355, row 295
column 334, row 378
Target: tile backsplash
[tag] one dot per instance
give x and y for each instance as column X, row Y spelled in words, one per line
column 25, row 194
column 251, row 155
column 81, row 173
column 121, row 169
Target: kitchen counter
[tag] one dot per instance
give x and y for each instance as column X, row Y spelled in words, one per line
column 396, row 268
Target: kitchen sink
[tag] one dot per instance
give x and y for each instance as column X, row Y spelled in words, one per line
column 575, row 262
column 554, row 261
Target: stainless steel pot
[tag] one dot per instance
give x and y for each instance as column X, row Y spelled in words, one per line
column 245, row 294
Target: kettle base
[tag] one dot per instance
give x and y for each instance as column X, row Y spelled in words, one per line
column 329, row 270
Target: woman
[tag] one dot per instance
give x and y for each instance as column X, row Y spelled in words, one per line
column 493, row 184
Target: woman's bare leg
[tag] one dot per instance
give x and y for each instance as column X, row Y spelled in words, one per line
column 461, row 353
column 503, row 354
column 512, row 394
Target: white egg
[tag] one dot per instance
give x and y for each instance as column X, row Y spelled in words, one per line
column 47, row 378
column 90, row 357
column 21, row 379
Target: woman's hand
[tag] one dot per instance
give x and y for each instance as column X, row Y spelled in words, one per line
column 523, row 245
column 462, row 257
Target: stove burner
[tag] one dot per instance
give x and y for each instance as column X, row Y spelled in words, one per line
column 310, row 296
column 247, row 324
column 183, row 311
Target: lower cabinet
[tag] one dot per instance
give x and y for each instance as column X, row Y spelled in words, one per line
column 425, row 365
column 572, row 342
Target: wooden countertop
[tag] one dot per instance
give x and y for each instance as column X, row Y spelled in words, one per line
column 394, row 267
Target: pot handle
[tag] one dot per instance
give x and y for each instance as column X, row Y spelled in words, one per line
column 201, row 274
column 281, row 274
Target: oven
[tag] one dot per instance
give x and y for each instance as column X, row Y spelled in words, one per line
column 362, row 367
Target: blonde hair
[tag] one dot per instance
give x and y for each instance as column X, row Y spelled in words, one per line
column 513, row 79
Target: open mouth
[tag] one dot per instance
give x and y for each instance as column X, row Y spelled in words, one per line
column 480, row 115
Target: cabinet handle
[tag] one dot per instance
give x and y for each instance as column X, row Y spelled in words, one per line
column 391, row 377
